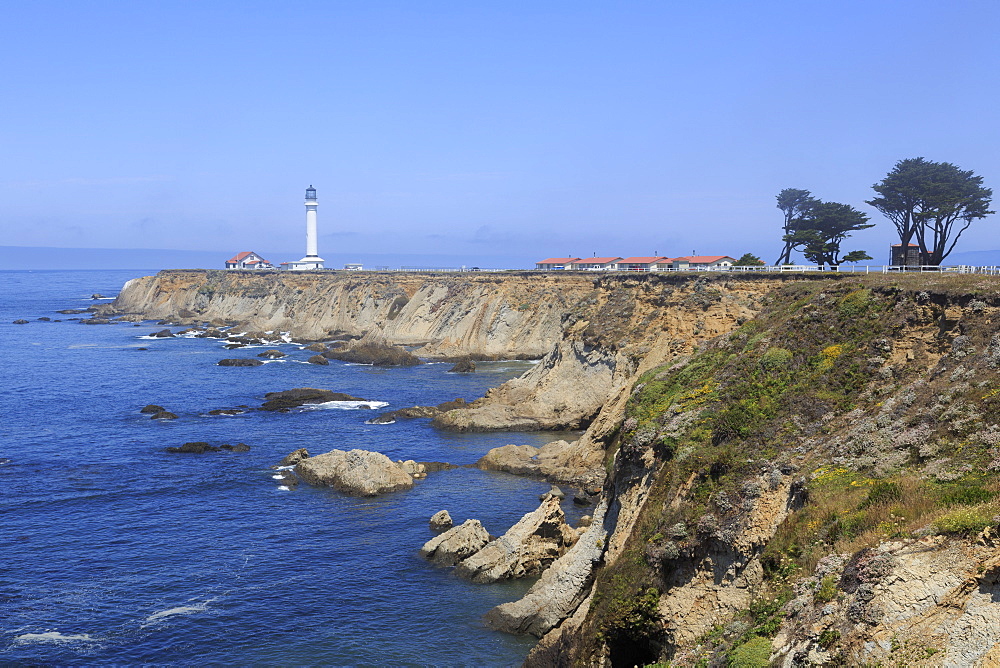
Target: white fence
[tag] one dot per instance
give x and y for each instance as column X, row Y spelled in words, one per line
column 798, row 268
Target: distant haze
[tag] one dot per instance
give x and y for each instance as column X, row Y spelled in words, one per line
column 152, row 260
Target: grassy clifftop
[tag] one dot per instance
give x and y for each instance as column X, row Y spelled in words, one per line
column 763, row 474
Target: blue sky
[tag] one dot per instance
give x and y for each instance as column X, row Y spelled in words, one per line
column 478, row 130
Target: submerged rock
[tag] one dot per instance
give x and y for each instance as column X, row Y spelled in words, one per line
column 196, row 447
column 456, row 544
column 239, row 447
column 240, row 361
column 164, row 415
column 288, row 479
column 95, row 321
column 276, row 401
column 357, row 472
column 377, row 354
column 464, row 365
column 72, row 311
column 528, row 547
column 418, row 412
column 441, row 520
column 227, row 411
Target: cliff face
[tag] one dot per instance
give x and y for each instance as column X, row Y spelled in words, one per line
column 593, row 333
column 516, row 315
column 819, row 486
column 799, row 470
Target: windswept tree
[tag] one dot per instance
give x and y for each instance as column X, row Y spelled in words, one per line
column 932, row 203
column 749, row 260
column 820, row 229
column 793, row 203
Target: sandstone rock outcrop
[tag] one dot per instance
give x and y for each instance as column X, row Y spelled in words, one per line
column 374, row 353
column 456, row 544
column 441, row 520
column 560, row 590
column 355, row 472
column 293, row 458
column 557, row 461
column 538, row 539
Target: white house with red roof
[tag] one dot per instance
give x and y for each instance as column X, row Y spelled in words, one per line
column 644, row 263
column 595, row 263
column 703, row 261
column 248, row 260
column 556, row 263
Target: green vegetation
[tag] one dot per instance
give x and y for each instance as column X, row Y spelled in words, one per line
column 754, row 653
column 811, row 380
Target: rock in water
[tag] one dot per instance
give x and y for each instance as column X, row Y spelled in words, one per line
column 152, row 408
column 558, row 592
column 456, row 544
column 276, row 401
column 239, row 447
column 293, row 458
column 377, row 354
column 441, row 520
column 163, row 334
column 20, row 321
column 197, row 447
column 528, row 547
column 164, row 415
column 464, row 365
column 318, row 359
column 240, row 361
column 553, row 491
column 357, row 472
column 271, row 354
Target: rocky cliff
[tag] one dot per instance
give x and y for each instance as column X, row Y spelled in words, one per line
column 800, row 470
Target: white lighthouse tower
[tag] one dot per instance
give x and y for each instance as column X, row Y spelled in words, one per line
column 312, row 260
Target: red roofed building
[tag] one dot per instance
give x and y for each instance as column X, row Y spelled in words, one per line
column 595, row 263
column 704, row 261
column 641, row 263
column 248, row 260
column 556, row 263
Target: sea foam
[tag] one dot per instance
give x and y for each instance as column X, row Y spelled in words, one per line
column 346, row 405
column 53, row 636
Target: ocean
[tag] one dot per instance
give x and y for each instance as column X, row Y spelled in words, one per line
column 118, row 552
